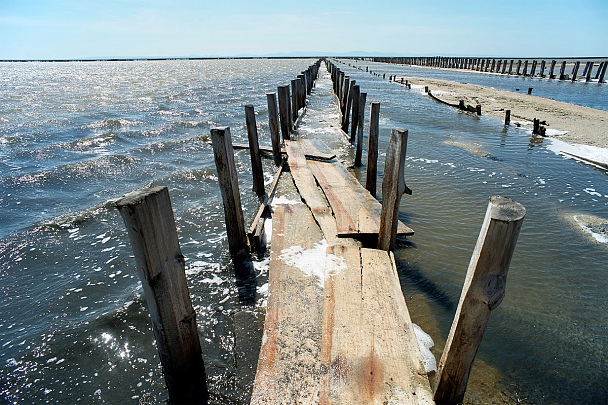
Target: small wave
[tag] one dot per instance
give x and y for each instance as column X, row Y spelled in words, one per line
column 111, row 124
column 94, row 142
column 595, row 227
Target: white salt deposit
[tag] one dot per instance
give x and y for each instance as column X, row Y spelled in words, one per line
column 314, row 262
column 594, row 153
column 425, row 342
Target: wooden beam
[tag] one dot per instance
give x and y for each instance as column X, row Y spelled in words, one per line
column 149, row 220
column 483, row 291
column 229, row 186
column 393, row 187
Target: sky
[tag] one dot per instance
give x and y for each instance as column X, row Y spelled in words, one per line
column 82, row 29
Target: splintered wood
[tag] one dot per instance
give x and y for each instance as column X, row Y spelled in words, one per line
column 338, row 332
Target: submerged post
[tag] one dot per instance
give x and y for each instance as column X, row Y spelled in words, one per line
column 483, row 291
column 393, row 187
column 229, row 186
column 254, row 149
column 361, row 120
column 372, row 149
column 273, row 123
column 149, row 220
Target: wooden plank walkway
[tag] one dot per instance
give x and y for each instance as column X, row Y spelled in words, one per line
column 337, row 328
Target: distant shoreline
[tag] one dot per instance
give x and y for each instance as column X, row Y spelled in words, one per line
column 582, row 125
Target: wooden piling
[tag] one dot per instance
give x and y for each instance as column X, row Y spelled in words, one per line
column 355, row 107
column 229, row 186
column 575, row 70
column 361, row 120
column 294, row 101
column 529, row 90
column 603, row 72
column 562, row 71
column 507, row 117
column 552, row 69
column 536, row 126
column 348, row 104
column 483, row 291
column 273, row 122
column 254, row 149
column 589, row 70
column 372, row 149
column 149, row 220
column 284, row 111
column 393, row 187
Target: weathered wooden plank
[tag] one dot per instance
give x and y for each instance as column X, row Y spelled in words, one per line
column 356, row 211
column 312, row 195
column 309, row 153
column 289, row 366
column 369, row 347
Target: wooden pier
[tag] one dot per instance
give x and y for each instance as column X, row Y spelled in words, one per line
column 337, row 328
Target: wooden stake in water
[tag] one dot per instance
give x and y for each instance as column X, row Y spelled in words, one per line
column 355, row 104
column 229, row 186
column 284, row 111
column 149, row 220
column 273, row 123
column 361, row 121
column 393, row 187
column 372, row 149
column 483, row 291
column 254, row 149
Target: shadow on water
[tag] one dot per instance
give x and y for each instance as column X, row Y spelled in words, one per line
column 413, row 275
column 245, row 280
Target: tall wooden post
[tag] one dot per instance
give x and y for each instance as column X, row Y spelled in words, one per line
column 483, row 291
column 355, row 104
column 588, row 73
column 348, row 104
column 149, row 220
column 284, row 111
column 372, row 149
column 294, row 100
column 229, row 186
column 393, row 187
column 552, row 69
column 575, row 70
column 562, row 71
column 361, row 120
column 507, row 117
column 254, row 149
column 273, row 122
column 602, row 72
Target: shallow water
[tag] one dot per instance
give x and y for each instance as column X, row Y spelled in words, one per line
column 76, row 136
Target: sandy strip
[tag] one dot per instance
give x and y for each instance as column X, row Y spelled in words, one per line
column 582, row 125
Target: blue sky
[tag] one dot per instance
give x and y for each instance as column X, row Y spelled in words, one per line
column 66, row 29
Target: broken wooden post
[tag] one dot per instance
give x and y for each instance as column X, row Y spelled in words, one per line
column 149, row 220
column 361, row 119
column 483, row 291
column 355, row 108
column 536, row 126
column 254, row 149
column 273, row 122
column 529, row 90
column 507, row 117
column 284, row 111
column 478, row 109
column 229, row 186
column 393, row 187
column 372, row 149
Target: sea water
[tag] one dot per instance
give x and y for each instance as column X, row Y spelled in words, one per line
column 75, row 136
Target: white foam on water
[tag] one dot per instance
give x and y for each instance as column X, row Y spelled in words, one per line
column 584, row 224
column 425, row 342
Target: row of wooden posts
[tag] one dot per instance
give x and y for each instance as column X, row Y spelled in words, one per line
column 150, row 223
column 485, row 283
column 517, row 67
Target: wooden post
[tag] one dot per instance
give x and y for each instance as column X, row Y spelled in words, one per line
column 507, row 117
column 284, row 111
column 562, row 70
column 552, row 69
column 478, row 109
column 348, row 103
column 149, row 220
column 359, row 151
column 372, row 149
column 355, row 104
column 483, row 291
column 273, row 122
column 229, row 186
column 575, row 70
column 542, row 68
column 529, row 90
column 536, row 126
column 393, row 187
column 589, row 69
column 294, row 101
column 603, row 72
column 254, row 149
